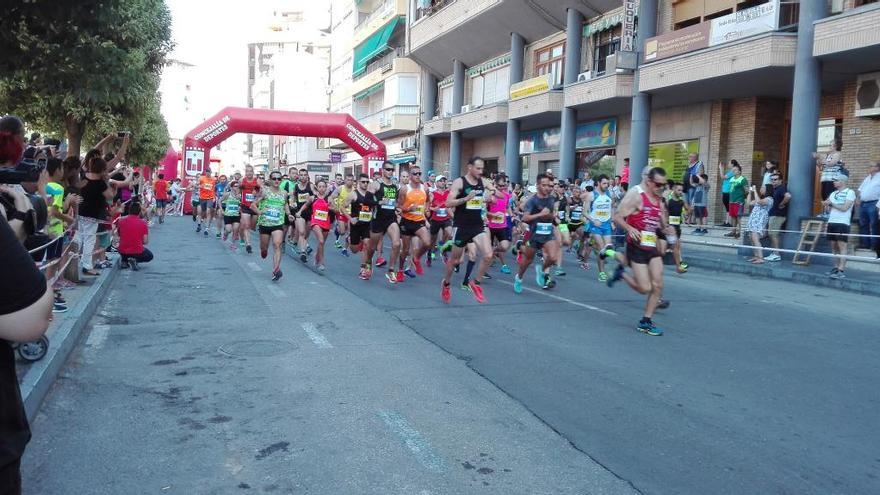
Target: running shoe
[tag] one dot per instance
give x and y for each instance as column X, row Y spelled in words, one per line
column 363, row 274
column 559, row 272
column 457, row 267
column 681, row 268
column 206, row 232
column 585, row 265
column 276, row 275
column 338, row 244
column 446, row 246
column 516, row 248
column 59, row 299
column 345, row 252
column 218, row 236
column 487, row 276
column 549, row 283
column 198, row 228
column 241, row 242
column 649, row 328
column 685, row 265
column 380, row 261
column 225, row 235
column 428, row 259
column 408, row 272
column 309, row 249
column 607, row 251
column 418, row 266
column 517, row 284
column 321, row 269
column 464, row 286
column 837, row 275
column 505, row 269
column 391, row 277
column 616, row 276
column 433, row 255
column 539, row 275
column 59, row 308
column 445, row 293
column 477, row 291
column 303, row 257
column 249, row 249
column 368, row 272
column 603, row 277
column 662, row 304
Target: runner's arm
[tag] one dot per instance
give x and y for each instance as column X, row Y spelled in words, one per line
column 451, row 202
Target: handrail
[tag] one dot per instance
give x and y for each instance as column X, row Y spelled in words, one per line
column 386, row 59
column 386, row 7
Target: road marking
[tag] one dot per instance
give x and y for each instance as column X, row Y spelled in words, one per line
column 317, row 337
column 255, row 267
column 564, row 299
column 413, row 440
column 98, row 336
column 276, row 291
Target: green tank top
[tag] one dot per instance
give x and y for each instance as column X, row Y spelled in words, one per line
column 232, row 207
column 273, row 209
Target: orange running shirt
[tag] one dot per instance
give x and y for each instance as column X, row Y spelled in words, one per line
column 206, row 187
column 417, row 198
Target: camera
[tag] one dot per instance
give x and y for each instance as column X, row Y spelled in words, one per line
column 27, row 170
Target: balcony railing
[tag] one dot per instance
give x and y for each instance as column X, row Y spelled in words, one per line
column 382, row 61
column 427, row 8
column 383, row 10
column 383, row 118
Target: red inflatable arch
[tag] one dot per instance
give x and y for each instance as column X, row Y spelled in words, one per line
column 232, row 120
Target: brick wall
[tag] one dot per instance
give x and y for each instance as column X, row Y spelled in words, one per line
column 718, row 130
column 861, row 138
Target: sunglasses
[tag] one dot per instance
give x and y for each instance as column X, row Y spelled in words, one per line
column 389, row 170
column 364, row 182
column 659, row 184
column 415, row 173
column 274, row 178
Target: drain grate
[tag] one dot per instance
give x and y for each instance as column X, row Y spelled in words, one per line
column 257, row 348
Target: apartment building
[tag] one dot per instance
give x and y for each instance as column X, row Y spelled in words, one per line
column 372, row 79
column 532, row 85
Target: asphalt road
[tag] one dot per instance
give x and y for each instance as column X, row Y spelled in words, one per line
column 758, row 386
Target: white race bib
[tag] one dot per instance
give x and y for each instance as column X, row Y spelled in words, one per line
column 649, row 239
column 388, row 203
column 302, row 197
column 249, row 197
column 544, row 228
column 603, row 215
column 674, row 220
column 365, row 215
column 441, row 212
column 576, row 215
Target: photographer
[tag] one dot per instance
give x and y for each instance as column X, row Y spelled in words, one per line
column 25, row 306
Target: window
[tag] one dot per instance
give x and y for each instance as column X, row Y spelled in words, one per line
column 605, row 43
column 551, row 61
column 490, row 87
column 446, row 101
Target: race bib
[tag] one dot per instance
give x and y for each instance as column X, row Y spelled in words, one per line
column 389, row 203
column 207, row 187
column 441, row 212
column 674, row 220
column 576, row 215
column 475, row 203
column 273, row 215
column 649, row 239
column 365, row 216
column 232, row 209
column 249, row 197
column 320, row 216
column 302, row 198
column 603, row 215
column 420, row 210
column 561, row 214
column 543, row 228
column 496, row 218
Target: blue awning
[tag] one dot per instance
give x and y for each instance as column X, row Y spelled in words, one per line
column 397, row 160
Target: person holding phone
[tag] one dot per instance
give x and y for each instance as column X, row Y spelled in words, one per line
column 757, row 222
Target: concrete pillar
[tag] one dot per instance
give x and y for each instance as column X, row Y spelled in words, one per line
column 455, row 136
column 513, row 165
column 454, row 155
column 574, row 34
column 640, row 133
column 428, row 104
column 805, row 108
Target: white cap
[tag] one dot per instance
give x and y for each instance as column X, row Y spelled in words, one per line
column 532, row 189
column 441, row 177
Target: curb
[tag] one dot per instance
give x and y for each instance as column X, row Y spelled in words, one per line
column 42, row 374
column 790, row 275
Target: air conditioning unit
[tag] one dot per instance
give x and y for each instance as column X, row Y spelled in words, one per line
column 585, row 76
column 836, row 6
column 465, row 108
column 408, row 143
column 868, row 95
column 387, row 68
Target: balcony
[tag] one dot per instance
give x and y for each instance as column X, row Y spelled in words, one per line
column 379, row 70
column 599, row 96
column 849, row 42
column 392, row 121
column 377, row 19
column 544, row 106
column 439, row 126
column 486, row 120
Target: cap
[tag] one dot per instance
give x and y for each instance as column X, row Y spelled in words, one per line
column 441, row 177
column 533, row 189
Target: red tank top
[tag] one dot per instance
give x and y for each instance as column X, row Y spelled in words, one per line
column 247, row 191
column 321, row 213
column 438, row 200
column 647, row 221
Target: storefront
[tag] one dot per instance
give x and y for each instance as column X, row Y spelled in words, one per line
column 595, row 144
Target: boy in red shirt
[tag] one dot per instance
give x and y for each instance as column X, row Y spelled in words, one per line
column 160, row 192
column 133, row 234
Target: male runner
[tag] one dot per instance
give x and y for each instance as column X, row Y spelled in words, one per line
column 219, row 189
column 641, row 215
column 575, row 216
column 249, row 186
column 413, row 203
column 206, row 201
column 562, row 203
column 599, row 205
column 230, row 203
column 467, row 196
column 385, row 220
column 441, row 219
column 338, row 199
column 538, row 213
column 380, row 261
column 269, row 206
column 299, row 202
column 361, row 203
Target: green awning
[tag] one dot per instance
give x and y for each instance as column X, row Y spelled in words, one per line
column 369, row 91
column 397, row 160
column 373, row 46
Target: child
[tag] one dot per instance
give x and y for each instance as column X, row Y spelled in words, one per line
column 701, row 193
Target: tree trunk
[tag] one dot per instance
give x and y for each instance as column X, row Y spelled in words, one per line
column 75, row 130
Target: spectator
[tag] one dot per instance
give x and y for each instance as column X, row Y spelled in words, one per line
column 160, row 192
column 726, row 171
column 133, row 235
column 778, row 212
column 692, row 178
column 58, row 219
column 624, row 175
column 868, row 194
column 96, row 191
column 699, row 199
column 757, row 222
column 829, row 167
column 770, row 167
column 739, row 186
column 840, row 202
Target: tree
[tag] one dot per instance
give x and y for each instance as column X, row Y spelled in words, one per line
column 91, row 63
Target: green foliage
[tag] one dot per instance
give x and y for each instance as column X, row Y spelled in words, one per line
column 76, row 65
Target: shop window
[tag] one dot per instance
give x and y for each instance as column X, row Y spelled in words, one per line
column 606, row 43
column 551, row 60
column 490, row 166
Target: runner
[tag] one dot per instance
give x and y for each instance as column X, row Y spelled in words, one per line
column 441, row 220
column 575, row 217
column 249, row 187
column 380, row 261
column 385, row 219
column 299, row 203
column 413, row 203
column 230, row 202
column 219, row 189
column 160, row 192
column 290, row 225
column 339, row 199
column 599, row 204
column 538, row 213
column 561, row 222
column 497, row 219
column 206, row 201
column 320, row 221
column 269, row 206
column 675, row 207
column 641, row 215
column 361, row 203
column 467, row 196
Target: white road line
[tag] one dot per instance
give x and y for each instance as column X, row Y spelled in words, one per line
column 563, row 299
column 413, row 440
column 276, row 291
column 98, row 336
column 317, row 337
column 255, row 267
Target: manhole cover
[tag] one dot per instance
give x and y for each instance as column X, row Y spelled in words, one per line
column 257, row 348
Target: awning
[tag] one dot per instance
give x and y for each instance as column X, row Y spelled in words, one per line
column 603, row 23
column 369, row 91
column 397, row 160
column 373, row 46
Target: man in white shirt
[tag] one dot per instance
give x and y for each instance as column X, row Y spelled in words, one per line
column 869, row 223
column 840, row 203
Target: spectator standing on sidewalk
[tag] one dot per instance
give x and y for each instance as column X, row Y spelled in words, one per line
column 869, row 223
column 829, row 166
column 698, row 203
column 739, row 187
column 624, row 175
column 778, row 212
column 757, row 222
column 725, row 171
column 691, row 179
column 133, row 235
column 840, row 202
column 770, row 167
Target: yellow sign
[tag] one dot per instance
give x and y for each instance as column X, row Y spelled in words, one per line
column 529, row 87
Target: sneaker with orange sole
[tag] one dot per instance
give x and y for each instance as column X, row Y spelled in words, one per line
column 477, row 291
column 445, row 293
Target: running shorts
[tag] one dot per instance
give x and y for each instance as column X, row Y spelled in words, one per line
column 359, row 232
column 246, row 210
column 264, row 230
column 635, row 254
column 463, row 234
column 410, row 227
column 500, row 235
column 838, row 232
column 231, row 220
column 380, row 225
column 206, row 203
column 438, row 225
column 603, row 230
column 574, row 226
column 735, row 209
column 161, row 203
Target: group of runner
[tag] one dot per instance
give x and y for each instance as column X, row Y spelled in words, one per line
column 471, row 216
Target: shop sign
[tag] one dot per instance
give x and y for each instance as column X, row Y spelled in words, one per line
column 628, row 33
column 336, row 156
column 596, row 134
column 677, row 42
column 530, row 87
column 315, row 167
column 672, row 157
column 539, row 141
